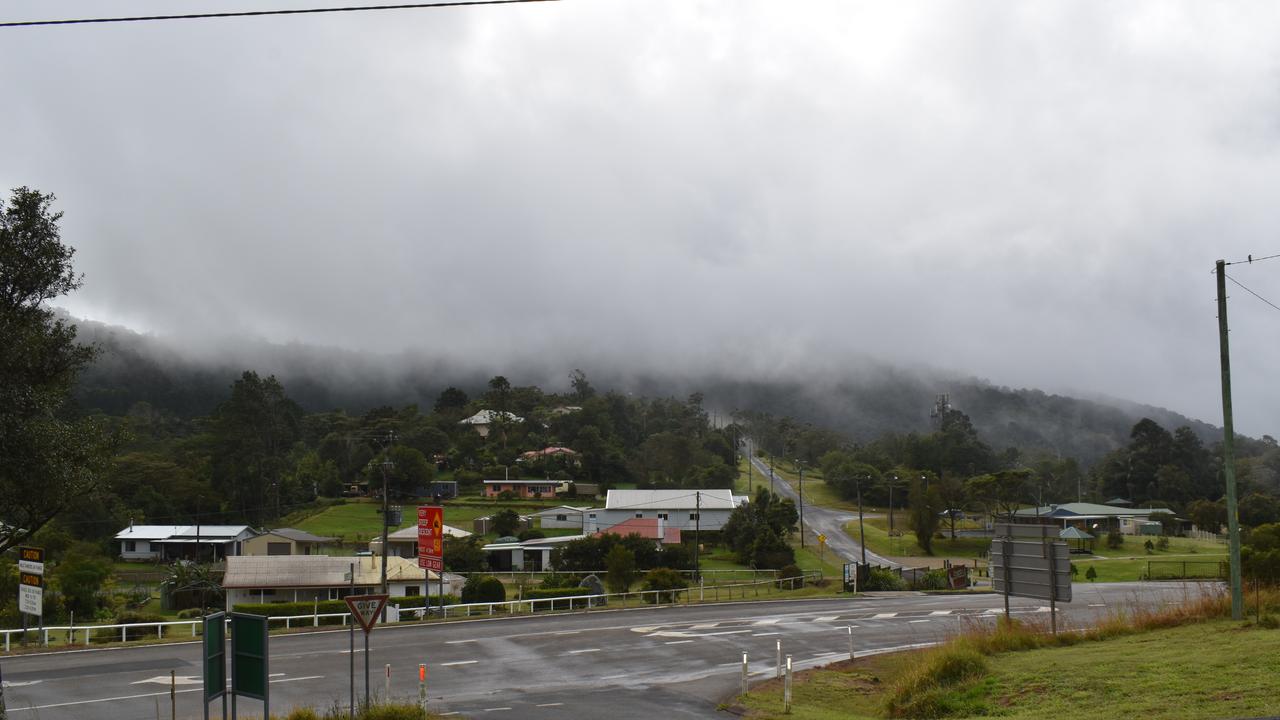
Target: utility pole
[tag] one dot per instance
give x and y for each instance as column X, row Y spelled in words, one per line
column 771, row 473
column 1228, row 448
column 893, row 480
column 386, row 516
column 862, row 538
column 697, row 528
column 801, row 466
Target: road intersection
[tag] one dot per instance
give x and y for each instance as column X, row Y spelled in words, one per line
column 673, row 661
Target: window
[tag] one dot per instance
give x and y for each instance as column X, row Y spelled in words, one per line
column 130, row 546
column 411, row 590
column 274, row 548
column 592, row 516
column 564, row 518
column 662, row 516
column 640, row 515
column 693, row 516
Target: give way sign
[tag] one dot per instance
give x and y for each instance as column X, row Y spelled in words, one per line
column 366, row 608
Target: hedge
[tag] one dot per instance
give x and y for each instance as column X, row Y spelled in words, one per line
column 325, row 607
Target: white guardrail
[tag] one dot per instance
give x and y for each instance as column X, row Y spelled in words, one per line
column 511, row 607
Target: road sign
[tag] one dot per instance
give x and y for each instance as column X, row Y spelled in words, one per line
column 249, row 660
column 366, row 609
column 822, row 539
column 31, row 560
column 215, row 656
column 31, row 593
column 1031, row 568
column 431, row 537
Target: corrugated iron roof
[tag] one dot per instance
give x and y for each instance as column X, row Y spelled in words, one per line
column 294, row 571
column 669, row 500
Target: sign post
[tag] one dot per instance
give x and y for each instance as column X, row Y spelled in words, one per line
column 215, row 661
column 1035, row 567
column 365, row 610
column 431, row 547
column 249, row 670
column 30, row 585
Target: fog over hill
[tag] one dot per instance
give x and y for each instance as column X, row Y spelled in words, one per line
column 861, row 401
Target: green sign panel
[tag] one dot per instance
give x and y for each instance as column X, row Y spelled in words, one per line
column 249, row 655
column 215, row 656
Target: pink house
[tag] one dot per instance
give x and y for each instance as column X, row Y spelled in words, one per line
column 521, row 488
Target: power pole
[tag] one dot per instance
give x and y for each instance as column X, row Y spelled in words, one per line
column 697, row 527
column 801, row 466
column 891, row 484
column 386, row 516
column 1228, row 448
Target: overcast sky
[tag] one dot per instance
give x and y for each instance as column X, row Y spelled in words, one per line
column 1031, row 192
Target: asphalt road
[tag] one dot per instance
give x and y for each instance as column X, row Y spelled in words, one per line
column 827, row 521
column 670, row 662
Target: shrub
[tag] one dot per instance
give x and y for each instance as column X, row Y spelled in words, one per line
column 564, row 592
column 1115, row 539
column 483, row 589
column 666, row 581
column 883, row 579
column 190, row 613
column 1162, row 543
column 127, row 617
column 1150, row 546
column 784, row 577
column 1091, row 574
column 931, row 580
column 561, row 580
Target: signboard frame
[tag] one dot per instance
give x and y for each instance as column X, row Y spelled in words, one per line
column 214, row 642
column 1031, row 569
column 250, row 660
column 31, row 560
column 31, row 593
column 431, row 538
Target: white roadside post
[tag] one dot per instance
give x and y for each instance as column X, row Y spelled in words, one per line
column 786, row 689
column 422, row 685
column 744, row 673
column 778, row 657
column 850, row 629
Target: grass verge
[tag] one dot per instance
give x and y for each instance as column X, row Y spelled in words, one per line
column 1183, row 661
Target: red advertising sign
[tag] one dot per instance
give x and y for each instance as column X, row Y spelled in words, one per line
column 431, row 537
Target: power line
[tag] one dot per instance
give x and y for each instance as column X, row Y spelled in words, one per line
column 1251, row 259
column 261, row 13
column 1253, row 293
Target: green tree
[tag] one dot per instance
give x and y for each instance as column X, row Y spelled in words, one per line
column 48, row 457
column 409, row 476
column 253, row 431
column 1207, row 516
column 80, row 577
column 1000, row 493
column 506, row 522
column 926, row 506
column 450, row 399
column 464, row 555
column 621, row 566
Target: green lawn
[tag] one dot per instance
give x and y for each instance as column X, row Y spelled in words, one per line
column 879, row 541
column 1207, row 670
column 816, row 490
column 361, row 521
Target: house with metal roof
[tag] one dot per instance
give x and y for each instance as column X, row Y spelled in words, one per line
column 404, row 543
column 285, row 541
column 1094, row 517
column 684, row 510
column 303, row 578
column 533, row 555
column 483, row 419
column 174, row 542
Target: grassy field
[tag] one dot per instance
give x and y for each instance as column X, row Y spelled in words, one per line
column 359, row 521
column 879, row 541
column 1149, row 674
column 816, row 490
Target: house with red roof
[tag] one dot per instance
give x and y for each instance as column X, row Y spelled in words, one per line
column 655, row 529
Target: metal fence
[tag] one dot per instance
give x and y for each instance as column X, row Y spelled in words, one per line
column 532, row 606
column 1186, row 569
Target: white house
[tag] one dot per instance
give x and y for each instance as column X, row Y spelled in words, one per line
column 532, row 555
column 483, row 419
column 685, row 510
column 561, row 517
column 172, row 542
column 404, row 543
column 303, row 578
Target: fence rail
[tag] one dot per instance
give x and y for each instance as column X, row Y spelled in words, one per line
column 1186, row 569
column 510, row 607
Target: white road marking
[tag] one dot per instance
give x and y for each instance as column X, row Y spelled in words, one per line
column 459, row 642
column 826, row 618
column 306, row 677
column 164, row 680
column 940, row 612
column 496, row 709
column 884, row 616
column 1097, row 604
column 765, row 634
column 100, row 700
column 1044, row 608
column 767, row 621
column 584, row 650
column 276, row 675
column 609, row 677
column 645, row 629
column 677, row 642
column 917, row 621
column 21, row 683
column 567, row 632
column 459, row 662
column 704, row 626
column 551, row 704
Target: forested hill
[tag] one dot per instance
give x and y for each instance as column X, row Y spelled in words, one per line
column 863, row 405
